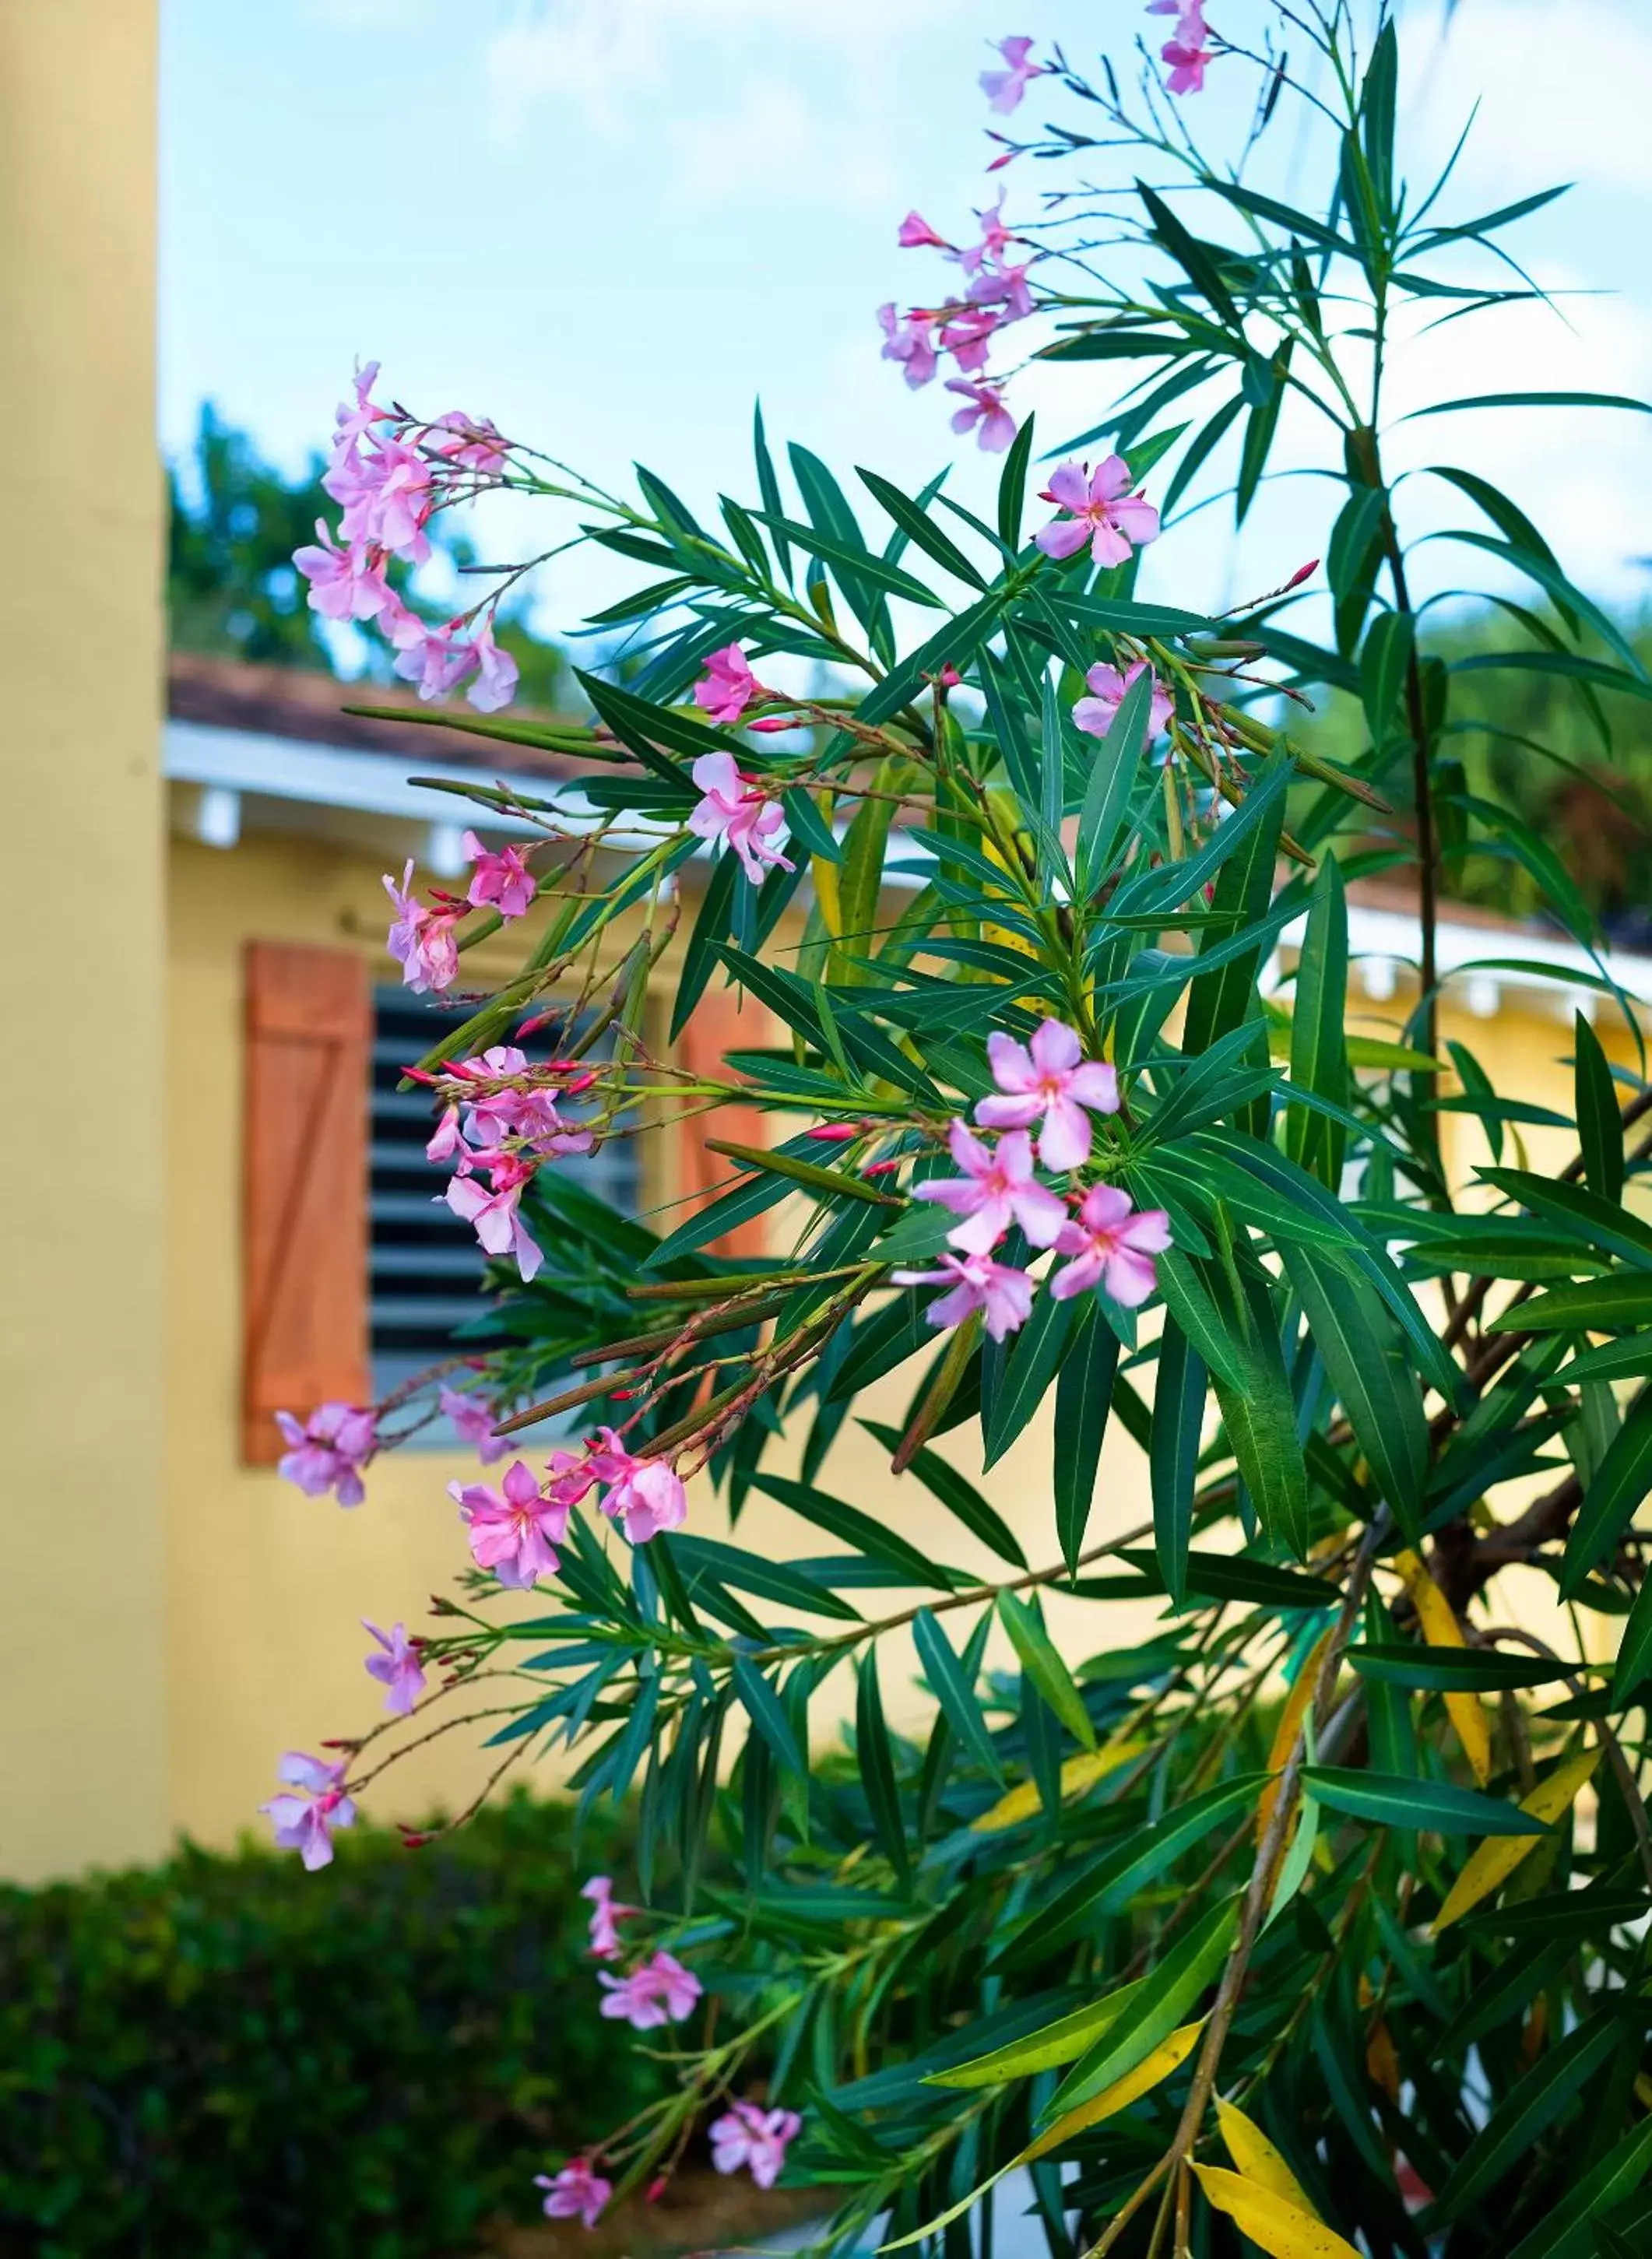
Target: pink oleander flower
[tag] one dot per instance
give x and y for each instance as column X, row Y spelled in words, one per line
column 1104, row 513
column 386, row 496
column 529, row 1115
column 352, row 424
column 398, row 1668
column 1094, row 714
column 497, row 674
column 659, row 1991
column 1112, row 1245
column 345, row 584
column 750, row 2135
column 1048, row 1078
column 644, row 1496
column 911, row 341
column 577, row 2192
column 978, row 1283
column 728, row 687
column 1190, row 13
column 514, row 1530
column 996, row 1189
column 420, row 940
column 986, row 416
column 995, row 238
column 1004, row 89
column 915, row 231
column 501, row 881
column 445, row 1142
column 1006, row 287
column 1188, row 65
column 304, row 1823
column 471, row 1420
column 496, row 1213
column 330, row 1451
column 734, row 809
column 479, row 444
column 606, row 1915
column 968, row 336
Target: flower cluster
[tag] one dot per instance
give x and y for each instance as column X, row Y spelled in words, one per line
column 501, row 1122
column 1184, row 51
column 422, row 938
column 659, row 1991
column 389, row 476
column 747, row 2134
column 304, row 1821
column 515, row 1529
column 579, row 2191
column 329, row 1451
column 1110, row 1243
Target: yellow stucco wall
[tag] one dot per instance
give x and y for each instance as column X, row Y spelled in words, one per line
column 81, row 1624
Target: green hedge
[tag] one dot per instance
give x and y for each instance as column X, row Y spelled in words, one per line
column 227, row 2058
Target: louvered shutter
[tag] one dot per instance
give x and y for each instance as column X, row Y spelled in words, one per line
column 722, row 1022
column 308, row 1029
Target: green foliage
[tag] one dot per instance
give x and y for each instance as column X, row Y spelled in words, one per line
column 1273, row 1845
column 214, row 2056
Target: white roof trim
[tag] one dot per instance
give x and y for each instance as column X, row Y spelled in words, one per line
column 325, row 776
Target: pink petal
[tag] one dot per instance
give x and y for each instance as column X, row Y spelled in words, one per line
column 1063, row 536
column 1130, row 1277
column 1067, row 487
column 1096, row 1084
column 1007, row 1113
column 1063, row 1143
column 1011, row 1063
column 1110, row 478
column 1094, row 715
column 1108, row 682
column 1138, row 519
column 1055, row 1047
column 1109, row 547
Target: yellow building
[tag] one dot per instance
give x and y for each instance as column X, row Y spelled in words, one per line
column 199, row 922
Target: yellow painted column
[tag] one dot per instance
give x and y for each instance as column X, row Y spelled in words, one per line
column 82, row 1539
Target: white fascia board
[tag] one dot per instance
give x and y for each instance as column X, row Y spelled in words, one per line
column 326, row 776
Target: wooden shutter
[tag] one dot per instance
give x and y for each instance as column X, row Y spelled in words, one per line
column 308, row 1032
column 722, row 1022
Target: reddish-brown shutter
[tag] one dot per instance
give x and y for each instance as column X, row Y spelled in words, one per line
column 722, row 1022
column 304, row 1194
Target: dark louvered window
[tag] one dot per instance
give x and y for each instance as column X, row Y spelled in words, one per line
column 425, row 1265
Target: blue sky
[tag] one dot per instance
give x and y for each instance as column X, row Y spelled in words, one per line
column 608, row 224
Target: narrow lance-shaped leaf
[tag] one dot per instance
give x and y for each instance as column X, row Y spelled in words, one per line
column 1044, row 1666
column 1179, row 1410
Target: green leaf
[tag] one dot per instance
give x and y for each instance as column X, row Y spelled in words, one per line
column 1569, row 665
column 1052, row 2044
column 1178, row 1411
column 1283, row 214
column 1259, row 1417
column 762, row 1706
column 922, row 529
column 1156, row 2008
column 807, row 827
column 1598, row 1221
column 1391, row 1801
column 771, row 1580
column 871, row 1537
column 1532, row 400
column 1218, row 1001
column 1033, row 1357
column 1258, row 440
column 1566, row 2234
column 1196, row 259
column 1542, row 567
column 1084, row 1398
column 1526, row 2113
column 1620, row 1484
column 1044, row 1667
column 953, row 1690
column 1109, row 1886
column 1370, row 1372
column 854, row 568
column 1237, row 1577
column 875, row 1757
column 1012, row 486
column 1592, row 1306
column 1383, row 666
column 1377, row 119
column 1600, row 1119
column 1447, row 1670
column 1319, row 1056
column 1113, row 774
column 710, row 928
column 957, row 1493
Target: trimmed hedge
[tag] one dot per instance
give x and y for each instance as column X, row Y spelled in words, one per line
column 229, row 2058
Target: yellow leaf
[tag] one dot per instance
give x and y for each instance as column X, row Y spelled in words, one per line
column 1077, row 1774
column 1491, row 1865
column 1441, row 1628
column 824, row 874
column 1291, row 1718
column 1280, row 2228
column 1167, row 2056
column 1256, row 2156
